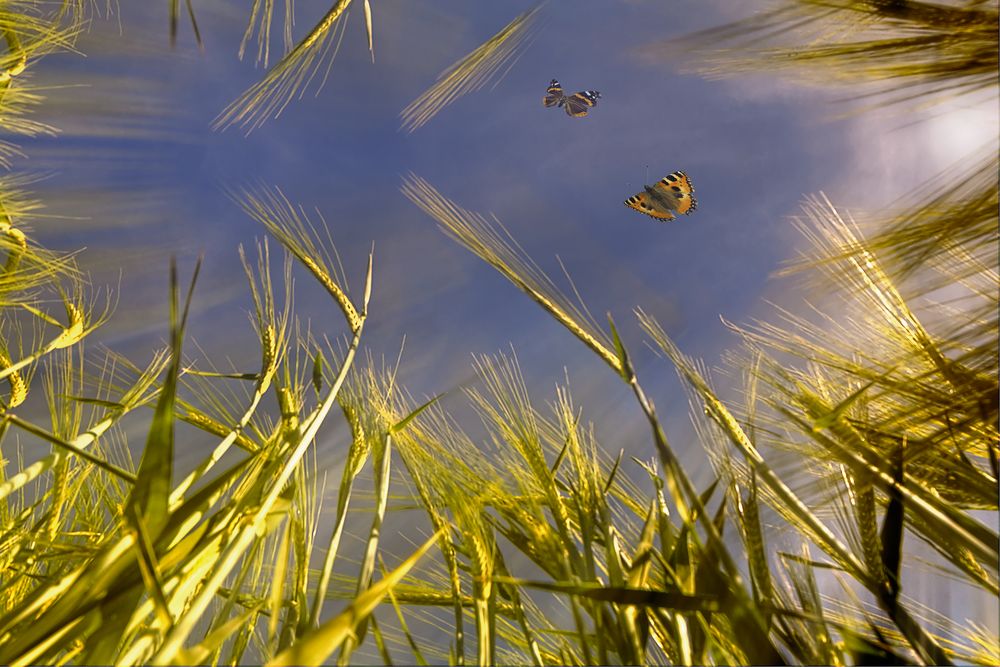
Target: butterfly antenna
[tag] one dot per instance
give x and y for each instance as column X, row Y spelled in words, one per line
column 647, row 174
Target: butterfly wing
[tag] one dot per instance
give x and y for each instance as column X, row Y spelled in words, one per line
column 553, row 94
column 645, row 203
column 676, row 189
column 577, row 104
column 668, row 198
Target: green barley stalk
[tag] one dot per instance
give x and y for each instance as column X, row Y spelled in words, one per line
column 289, row 77
column 907, row 50
column 489, row 62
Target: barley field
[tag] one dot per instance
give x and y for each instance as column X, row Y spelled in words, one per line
column 325, row 337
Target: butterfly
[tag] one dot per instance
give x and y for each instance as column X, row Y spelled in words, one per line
column 671, row 196
column 576, row 105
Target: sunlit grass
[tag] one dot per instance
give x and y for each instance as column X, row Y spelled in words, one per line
column 494, row 245
column 908, row 50
column 489, row 62
column 862, row 426
column 291, row 75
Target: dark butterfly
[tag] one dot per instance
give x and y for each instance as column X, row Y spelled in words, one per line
column 664, row 201
column 576, row 105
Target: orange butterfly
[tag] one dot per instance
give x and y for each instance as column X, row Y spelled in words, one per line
column 672, row 196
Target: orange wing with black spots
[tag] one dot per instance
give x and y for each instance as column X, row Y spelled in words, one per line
column 643, row 203
column 673, row 195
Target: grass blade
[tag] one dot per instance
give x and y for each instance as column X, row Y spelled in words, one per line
column 892, row 528
column 314, row 648
column 472, row 72
column 149, row 499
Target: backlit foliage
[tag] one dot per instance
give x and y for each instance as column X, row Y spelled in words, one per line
column 865, row 425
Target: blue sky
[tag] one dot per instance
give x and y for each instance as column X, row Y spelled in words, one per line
column 142, row 174
column 138, row 175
